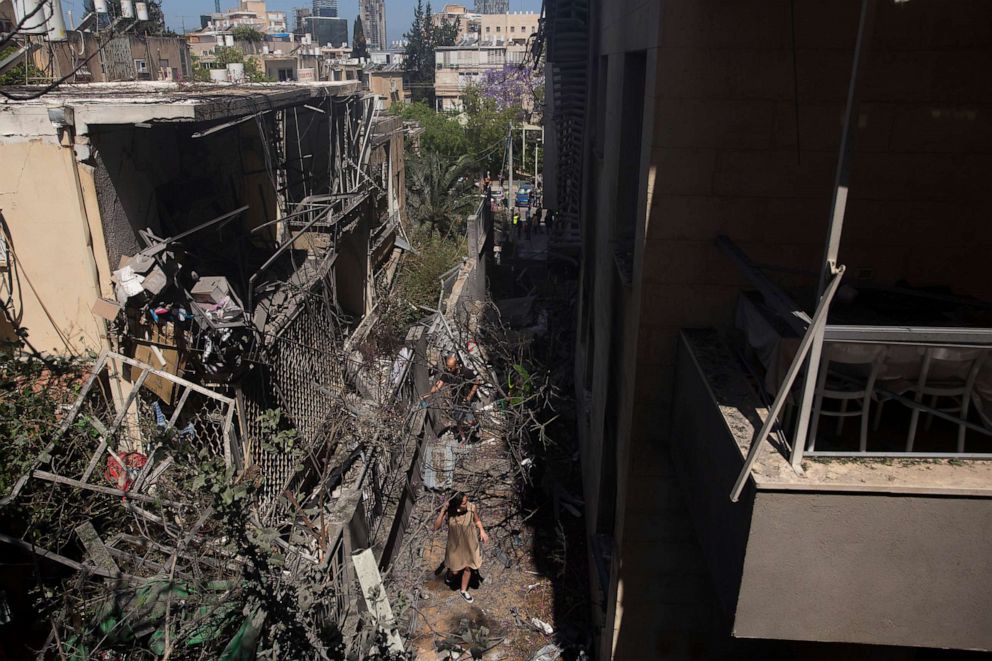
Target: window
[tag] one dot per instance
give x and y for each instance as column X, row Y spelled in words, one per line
column 140, row 66
column 513, row 28
column 488, row 28
column 631, row 119
column 164, row 64
column 497, row 28
column 600, row 102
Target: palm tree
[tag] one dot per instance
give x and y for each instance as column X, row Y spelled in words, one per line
column 441, row 192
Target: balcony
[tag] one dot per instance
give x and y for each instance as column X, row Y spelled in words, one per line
column 832, row 430
column 846, row 548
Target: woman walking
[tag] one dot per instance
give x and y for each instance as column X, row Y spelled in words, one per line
column 465, row 530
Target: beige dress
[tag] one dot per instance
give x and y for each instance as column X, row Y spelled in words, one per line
column 463, row 542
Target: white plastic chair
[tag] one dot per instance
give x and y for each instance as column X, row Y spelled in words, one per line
column 848, row 388
column 960, row 368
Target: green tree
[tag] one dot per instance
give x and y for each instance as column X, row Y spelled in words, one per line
column 479, row 131
column 417, row 283
column 442, row 133
column 486, row 126
column 249, row 36
column 359, row 46
column 422, row 40
column 441, row 192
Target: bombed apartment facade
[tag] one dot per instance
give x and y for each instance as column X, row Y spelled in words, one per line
column 220, row 252
column 783, row 332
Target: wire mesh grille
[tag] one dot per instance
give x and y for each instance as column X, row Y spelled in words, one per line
column 301, row 376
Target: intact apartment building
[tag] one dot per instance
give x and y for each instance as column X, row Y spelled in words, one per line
column 457, row 67
column 492, row 27
column 386, row 82
column 488, row 42
column 782, row 216
column 250, row 13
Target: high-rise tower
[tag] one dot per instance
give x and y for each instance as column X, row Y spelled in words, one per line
column 492, row 6
column 325, row 8
column 373, row 13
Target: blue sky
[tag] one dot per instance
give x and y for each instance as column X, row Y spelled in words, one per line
column 399, row 13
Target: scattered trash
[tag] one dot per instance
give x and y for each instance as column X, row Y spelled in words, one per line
column 123, row 476
column 439, row 463
column 543, row 627
column 502, row 557
column 547, row 653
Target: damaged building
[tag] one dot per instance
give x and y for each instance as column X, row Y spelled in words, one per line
column 219, row 252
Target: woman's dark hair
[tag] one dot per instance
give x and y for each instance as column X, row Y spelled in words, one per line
column 455, row 503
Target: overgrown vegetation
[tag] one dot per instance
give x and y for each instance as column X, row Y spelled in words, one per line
column 19, row 74
column 248, row 35
column 224, row 55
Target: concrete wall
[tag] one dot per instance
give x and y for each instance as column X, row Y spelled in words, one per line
column 387, row 86
column 893, row 570
column 172, row 53
column 44, row 205
column 736, row 141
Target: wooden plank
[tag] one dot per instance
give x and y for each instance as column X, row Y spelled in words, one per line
column 183, row 382
column 68, row 562
column 98, row 455
column 367, row 572
column 95, row 548
column 58, row 479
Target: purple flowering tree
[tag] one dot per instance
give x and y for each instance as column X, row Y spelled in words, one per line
column 510, row 87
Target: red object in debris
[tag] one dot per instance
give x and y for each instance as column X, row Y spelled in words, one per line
column 122, row 477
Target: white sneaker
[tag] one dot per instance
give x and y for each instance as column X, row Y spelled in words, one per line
column 466, row 596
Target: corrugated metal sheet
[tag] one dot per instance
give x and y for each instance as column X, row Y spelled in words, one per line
column 118, row 61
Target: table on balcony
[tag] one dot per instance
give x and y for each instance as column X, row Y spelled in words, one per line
column 874, row 316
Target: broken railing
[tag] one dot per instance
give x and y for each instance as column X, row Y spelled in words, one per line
column 130, row 438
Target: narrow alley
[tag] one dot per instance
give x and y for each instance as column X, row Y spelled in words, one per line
column 544, row 330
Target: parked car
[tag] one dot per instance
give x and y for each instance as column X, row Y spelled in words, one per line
column 523, row 195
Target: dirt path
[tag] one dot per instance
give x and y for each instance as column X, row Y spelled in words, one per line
column 498, row 622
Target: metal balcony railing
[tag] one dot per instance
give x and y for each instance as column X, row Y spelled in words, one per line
column 889, row 380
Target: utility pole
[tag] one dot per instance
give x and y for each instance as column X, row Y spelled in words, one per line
column 535, row 166
column 512, row 197
column 523, row 151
